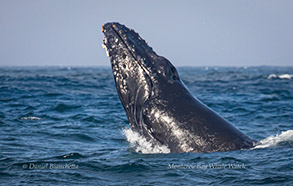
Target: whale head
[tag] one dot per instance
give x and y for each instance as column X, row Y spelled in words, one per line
column 138, row 71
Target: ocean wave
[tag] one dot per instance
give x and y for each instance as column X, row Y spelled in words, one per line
column 285, row 136
column 282, row 76
column 62, row 107
column 30, row 118
column 70, row 156
column 141, row 145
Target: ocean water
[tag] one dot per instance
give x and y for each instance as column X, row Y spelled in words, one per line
column 66, row 126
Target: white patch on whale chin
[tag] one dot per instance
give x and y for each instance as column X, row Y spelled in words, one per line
column 183, row 137
column 178, row 133
column 141, row 145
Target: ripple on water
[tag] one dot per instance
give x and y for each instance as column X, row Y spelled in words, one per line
column 62, row 107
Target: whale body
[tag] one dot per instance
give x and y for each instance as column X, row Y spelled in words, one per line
column 157, row 103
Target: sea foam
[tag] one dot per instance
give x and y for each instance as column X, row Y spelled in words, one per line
column 285, row 136
column 282, row 76
column 31, row 118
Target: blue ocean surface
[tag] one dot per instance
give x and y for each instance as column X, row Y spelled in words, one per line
column 67, row 126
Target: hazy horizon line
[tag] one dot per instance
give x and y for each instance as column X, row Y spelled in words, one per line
column 175, row 66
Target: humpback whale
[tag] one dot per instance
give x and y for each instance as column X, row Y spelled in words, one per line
column 157, row 103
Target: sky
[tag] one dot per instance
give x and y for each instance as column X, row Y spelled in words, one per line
column 188, row 33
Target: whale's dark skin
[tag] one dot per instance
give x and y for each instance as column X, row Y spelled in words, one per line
column 157, row 103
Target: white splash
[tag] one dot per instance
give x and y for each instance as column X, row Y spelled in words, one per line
column 285, row 136
column 286, row 76
column 141, row 145
column 282, row 76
